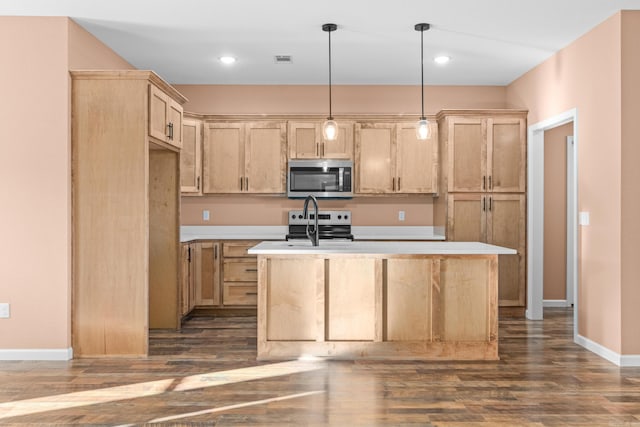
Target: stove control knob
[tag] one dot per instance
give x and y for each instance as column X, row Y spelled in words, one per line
column 339, row 216
column 346, row 217
column 293, row 217
column 299, row 216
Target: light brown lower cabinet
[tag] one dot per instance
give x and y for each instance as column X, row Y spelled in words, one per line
column 240, row 274
column 206, row 258
column 498, row 219
column 218, row 274
column 345, row 307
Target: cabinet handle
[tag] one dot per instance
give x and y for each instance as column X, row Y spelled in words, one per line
column 484, row 182
column 490, row 184
column 323, row 149
column 169, row 130
column 250, row 270
column 490, row 202
column 241, row 183
column 484, row 204
column 215, row 252
column 399, row 183
column 246, row 184
column 198, row 184
column 393, row 183
column 317, row 149
column 251, row 293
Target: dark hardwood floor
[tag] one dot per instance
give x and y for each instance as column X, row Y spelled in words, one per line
column 206, row 375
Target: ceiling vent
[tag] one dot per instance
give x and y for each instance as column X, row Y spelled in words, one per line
column 283, row 59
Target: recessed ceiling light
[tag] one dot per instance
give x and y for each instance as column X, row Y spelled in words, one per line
column 227, row 59
column 442, row 59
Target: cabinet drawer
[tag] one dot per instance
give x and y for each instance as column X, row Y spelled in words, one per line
column 240, row 270
column 240, row 293
column 237, row 249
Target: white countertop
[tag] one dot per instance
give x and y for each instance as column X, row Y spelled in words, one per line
column 377, row 247
column 279, row 232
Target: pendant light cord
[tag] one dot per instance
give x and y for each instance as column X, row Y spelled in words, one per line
column 330, row 115
column 422, row 69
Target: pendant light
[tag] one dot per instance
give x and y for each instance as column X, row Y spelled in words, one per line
column 422, row 127
column 330, row 127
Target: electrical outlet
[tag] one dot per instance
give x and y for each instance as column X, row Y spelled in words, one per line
column 400, row 215
column 4, row 310
column 205, row 215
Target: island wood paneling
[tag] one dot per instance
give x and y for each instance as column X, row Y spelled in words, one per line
column 408, row 299
column 351, row 299
column 295, row 290
column 428, row 307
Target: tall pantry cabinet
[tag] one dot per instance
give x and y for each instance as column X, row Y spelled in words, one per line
column 483, row 184
column 125, row 210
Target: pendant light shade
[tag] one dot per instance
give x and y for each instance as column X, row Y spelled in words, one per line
column 330, row 127
column 422, row 127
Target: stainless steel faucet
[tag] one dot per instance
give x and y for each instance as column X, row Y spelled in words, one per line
column 313, row 234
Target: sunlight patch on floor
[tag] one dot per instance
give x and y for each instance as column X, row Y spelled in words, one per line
column 138, row 390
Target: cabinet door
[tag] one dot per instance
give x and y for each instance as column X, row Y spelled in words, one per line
column 375, row 158
column 175, row 123
column 506, row 227
column 467, row 217
column 158, row 113
column 303, row 140
column 417, row 168
column 408, row 296
column 185, row 276
column 223, row 158
column 342, row 146
column 191, row 157
column 266, row 157
column 207, row 259
column 467, row 147
column 506, row 155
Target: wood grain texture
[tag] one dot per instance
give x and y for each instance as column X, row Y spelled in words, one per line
column 417, row 161
column 206, row 375
column 375, row 158
column 191, row 157
column 265, row 157
column 110, row 217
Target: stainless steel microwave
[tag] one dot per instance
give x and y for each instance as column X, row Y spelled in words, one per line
column 321, row 178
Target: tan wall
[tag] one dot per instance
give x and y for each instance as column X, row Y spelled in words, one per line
column 35, row 262
column 313, row 99
column 630, row 181
column 245, row 210
column 87, row 52
column 573, row 78
column 555, row 212
column 218, row 99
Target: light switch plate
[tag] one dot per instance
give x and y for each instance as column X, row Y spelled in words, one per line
column 400, row 215
column 205, row 215
column 4, row 310
column 584, row 218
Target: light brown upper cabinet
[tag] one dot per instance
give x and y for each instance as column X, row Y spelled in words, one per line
column 485, row 153
column 191, row 157
column 307, row 142
column 165, row 117
column 498, row 219
column 390, row 159
column 244, row 157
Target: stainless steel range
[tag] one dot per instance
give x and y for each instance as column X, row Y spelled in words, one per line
column 331, row 225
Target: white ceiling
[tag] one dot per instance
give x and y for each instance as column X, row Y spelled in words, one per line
column 491, row 42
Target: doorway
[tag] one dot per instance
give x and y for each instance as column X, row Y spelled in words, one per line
column 535, row 214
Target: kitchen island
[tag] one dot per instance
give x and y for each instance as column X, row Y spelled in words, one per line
column 378, row 300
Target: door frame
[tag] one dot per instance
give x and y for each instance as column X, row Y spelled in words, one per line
column 535, row 213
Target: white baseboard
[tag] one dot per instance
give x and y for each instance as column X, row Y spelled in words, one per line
column 631, row 360
column 36, row 354
column 555, row 303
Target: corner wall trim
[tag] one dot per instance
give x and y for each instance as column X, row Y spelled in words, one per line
column 36, row 354
column 631, row 360
column 555, row 303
